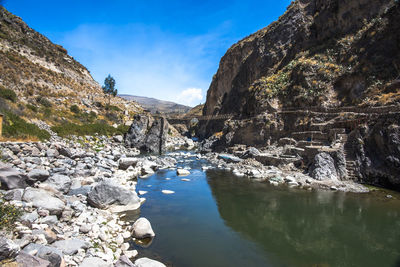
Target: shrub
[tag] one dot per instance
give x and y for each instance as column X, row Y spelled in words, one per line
column 16, row 127
column 43, row 101
column 112, row 116
column 100, row 128
column 47, row 112
column 92, row 114
column 32, row 107
column 9, row 215
column 75, row 109
column 8, row 94
column 98, row 104
column 112, row 108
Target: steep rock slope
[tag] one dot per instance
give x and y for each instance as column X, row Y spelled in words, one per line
column 324, row 67
column 48, row 81
column 325, row 53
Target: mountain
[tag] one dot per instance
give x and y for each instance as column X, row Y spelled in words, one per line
column 46, row 83
column 319, row 53
column 157, row 106
column 325, row 73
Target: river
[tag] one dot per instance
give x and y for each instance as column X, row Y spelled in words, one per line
column 218, row 219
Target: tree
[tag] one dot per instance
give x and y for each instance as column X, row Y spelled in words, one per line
column 109, row 87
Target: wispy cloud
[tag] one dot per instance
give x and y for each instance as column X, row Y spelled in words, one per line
column 148, row 61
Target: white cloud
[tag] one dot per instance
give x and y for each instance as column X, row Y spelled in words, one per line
column 190, row 97
column 147, row 61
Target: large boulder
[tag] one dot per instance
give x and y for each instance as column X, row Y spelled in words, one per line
column 65, row 151
column 8, row 249
column 110, row 195
column 11, row 178
column 60, row 182
column 26, row 260
column 146, row 262
column 323, row 167
column 83, row 190
column 15, row 194
column 44, row 199
column 53, row 255
column 148, row 134
column 36, row 175
column 71, row 246
column 252, row 152
column 125, row 163
column 142, row 229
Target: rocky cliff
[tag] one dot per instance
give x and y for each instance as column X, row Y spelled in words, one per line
column 325, row 73
column 320, row 53
column 148, row 134
column 48, row 81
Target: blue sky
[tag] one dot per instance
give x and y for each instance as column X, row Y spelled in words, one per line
column 158, row 48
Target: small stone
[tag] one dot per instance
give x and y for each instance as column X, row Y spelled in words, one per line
column 334, row 188
column 125, row 246
column 131, row 253
column 141, row 192
column 43, row 212
column 85, row 228
column 182, row 172
column 94, row 261
column 124, row 262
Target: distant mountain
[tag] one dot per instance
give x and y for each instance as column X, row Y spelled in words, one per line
column 155, row 105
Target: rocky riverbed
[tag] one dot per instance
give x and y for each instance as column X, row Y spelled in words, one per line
column 74, row 194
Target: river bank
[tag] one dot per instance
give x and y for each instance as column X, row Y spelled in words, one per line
column 75, row 194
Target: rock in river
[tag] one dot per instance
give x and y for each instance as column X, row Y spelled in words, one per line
column 142, row 228
column 110, row 195
column 168, row 192
column 182, row 172
column 146, row 262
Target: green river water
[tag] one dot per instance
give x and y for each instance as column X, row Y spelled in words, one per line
column 218, row 219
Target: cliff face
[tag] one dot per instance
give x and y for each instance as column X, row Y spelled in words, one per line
column 320, row 53
column 36, row 69
column 326, row 66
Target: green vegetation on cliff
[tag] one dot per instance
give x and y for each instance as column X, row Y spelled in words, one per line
column 67, row 129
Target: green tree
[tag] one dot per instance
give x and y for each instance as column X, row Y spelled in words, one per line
column 109, row 87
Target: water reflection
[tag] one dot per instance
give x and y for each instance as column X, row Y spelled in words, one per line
column 301, row 228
